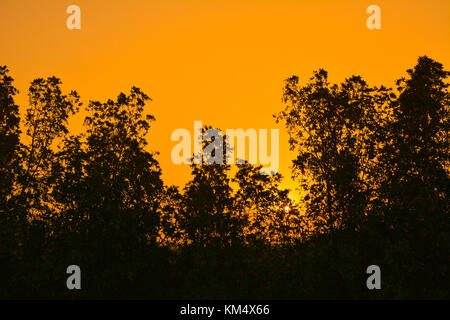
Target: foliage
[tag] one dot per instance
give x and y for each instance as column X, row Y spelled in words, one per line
column 372, row 163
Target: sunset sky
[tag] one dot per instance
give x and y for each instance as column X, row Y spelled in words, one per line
column 221, row 62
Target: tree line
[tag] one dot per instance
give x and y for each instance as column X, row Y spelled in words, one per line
column 372, row 163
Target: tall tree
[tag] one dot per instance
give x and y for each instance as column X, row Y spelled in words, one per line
column 10, row 237
column 46, row 120
column 9, row 138
column 208, row 202
column 121, row 176
column 415, row 156
column 331, row 129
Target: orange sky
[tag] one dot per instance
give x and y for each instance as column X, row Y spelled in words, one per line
column 222, row 62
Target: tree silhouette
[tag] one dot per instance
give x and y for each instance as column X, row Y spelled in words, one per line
column 9, row 138
column 208, row 200
column 414, row 184
column 373, row 164
column 46, row 120
column 416, row 153
column 331, row 128
column 10, row 235
column 120, row 174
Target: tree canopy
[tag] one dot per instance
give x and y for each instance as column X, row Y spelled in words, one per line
column 372, row 164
